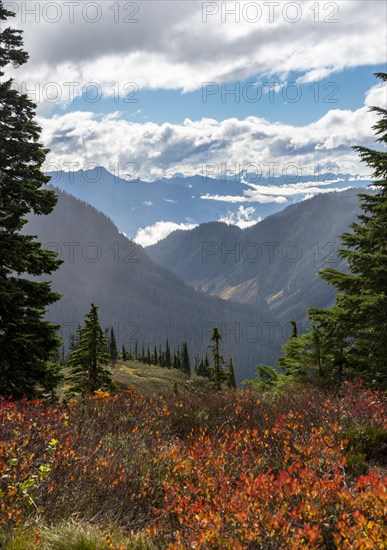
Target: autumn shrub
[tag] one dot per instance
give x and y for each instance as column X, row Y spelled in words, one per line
column 231, row 469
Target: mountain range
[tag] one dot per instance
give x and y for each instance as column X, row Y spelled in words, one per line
column 144, row 302
column 249, row 282
column 149, row 211
column 276, row 261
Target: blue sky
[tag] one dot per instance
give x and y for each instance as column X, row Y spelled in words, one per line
column 289, row 102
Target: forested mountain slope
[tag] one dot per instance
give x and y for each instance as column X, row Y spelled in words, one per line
column 277, row 260
column 143, row 301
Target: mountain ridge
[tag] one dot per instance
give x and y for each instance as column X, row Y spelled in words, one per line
column 277, row 259
column 136, row 207
column 143, row 301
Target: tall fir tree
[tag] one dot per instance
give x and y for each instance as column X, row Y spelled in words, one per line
column 113, row 346
column 155, row 359
column 200, row 369
column 217, row 370
column 142, row 357
column 148, row 356
column 231, row 381
column 161, row 360
column 87, row 362
column 185, row 361
column 27, row 341
column 168, row 360
column 356, row 325
column 293, row 324
column 196, row 363
column 107, row 340
column 73, row 339
column 178, row 358
column 124, row 354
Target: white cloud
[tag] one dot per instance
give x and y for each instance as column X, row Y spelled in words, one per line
column 208, row 146
column 174, row 48
column 244, row 217
column 248, row 197
column 151, row 234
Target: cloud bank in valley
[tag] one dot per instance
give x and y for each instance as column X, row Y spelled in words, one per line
column 146, row 236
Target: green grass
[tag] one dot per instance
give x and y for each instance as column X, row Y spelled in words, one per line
column 75, row 535
column 150, row 379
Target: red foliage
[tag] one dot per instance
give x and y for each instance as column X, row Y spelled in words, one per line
column 224, row 470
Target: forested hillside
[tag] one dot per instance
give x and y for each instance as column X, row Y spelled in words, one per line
column 277, row 260
column 143, row 301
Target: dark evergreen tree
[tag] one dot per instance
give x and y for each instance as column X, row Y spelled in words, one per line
column 294, row 333
column 135, row 350
column 73, row 339
column 87, row 361
column 203, row 367
column 53, row 377
column 124, row 354
column 207, row 366
column 168, row 361
column 148, row 356
column 178, row 358
column 217, row 370
column 231, row 381
column 356, row 326
column 107, row 339
column 63, row 356
column 196, row 363
column 27, row 341
column 155, row 359
column 142, row 356
column 185, row 361
column 201, row 370
column 113, row 346
column 161, row 357
column 306, row 358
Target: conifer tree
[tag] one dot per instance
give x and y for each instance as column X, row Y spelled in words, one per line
column 107, row 339
column 203, row 366
column 53, row 377
column 155, row 360
column 294, row 333
column 88, row 360
column 178, row 358
column 27, row 341
column 356, row 325
column 113, row 346
column 124, row 354
column 201, row 370
column 185, row 361
column 142, row 357
column 161, row 360
column 231, row 381
column 168, row 361
column 196, row 363
column 217, row 358
column 207, row 361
